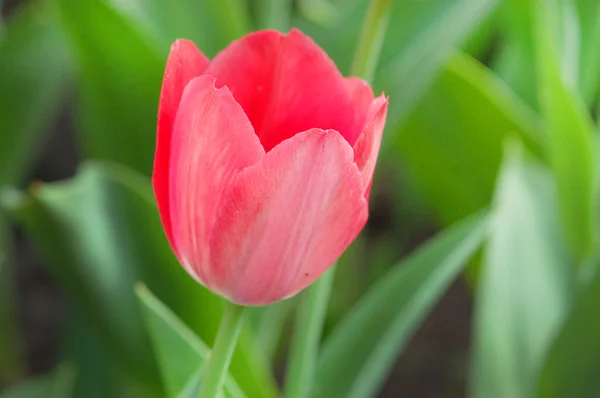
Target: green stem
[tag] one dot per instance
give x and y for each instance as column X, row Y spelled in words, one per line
column 307, row 337
column 371, row 39
column 218, row 364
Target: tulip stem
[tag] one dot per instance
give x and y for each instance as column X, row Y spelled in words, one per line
column 371, row 39
column 307, row 337
column 220, row 357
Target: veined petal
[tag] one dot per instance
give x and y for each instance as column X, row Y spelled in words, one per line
column 367, row 146
column 286, row 84
column 287, row 219
column 184, row 63
column 213, row 141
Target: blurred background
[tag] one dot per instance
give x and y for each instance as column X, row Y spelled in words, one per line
column 492, row 110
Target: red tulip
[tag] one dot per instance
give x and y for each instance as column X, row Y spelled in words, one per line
column 264, row 161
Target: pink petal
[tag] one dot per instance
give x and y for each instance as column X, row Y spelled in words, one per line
column 286, row 84
column 362, row 97
column 213, row 141
column 185, row 62
column 287, row 219
column 367, row 146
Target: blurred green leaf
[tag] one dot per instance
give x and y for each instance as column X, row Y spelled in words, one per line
column 119, row 82
column 81, row 345
column 192, row 387
column 514, row 59
column 571, row 367
column 416, row 64
column 269, row 325
column 481, row 39
column 569, row 128
column 100, row 233
column 362, row 349
column 274, row 14
column 589, row 77
column 57, row 385
column 451, row 144
column 319, row 12
column 526, row 283
column 211, row 24
column 34, row 67
column 178, row 350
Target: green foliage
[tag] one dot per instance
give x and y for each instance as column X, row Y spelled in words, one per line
column 34, row 67
column 11, row 363
column 361, row 350
column 451, row 145
column 571, row 366
column 89, row 231
column 569, row 131
column 178, row 350
column 464, row 77
column 119, row 83
column 589, row 23
column 514, row 322
column 57, row 385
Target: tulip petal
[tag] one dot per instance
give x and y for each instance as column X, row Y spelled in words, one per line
column 213, row 141
column 286, row 84
column 362, row 97
column 367, row 146
column 287, row 219
column 185, row 62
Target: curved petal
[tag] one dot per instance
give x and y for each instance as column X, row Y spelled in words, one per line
column 185, row 62
column 213, row 141
column 367, row 146
column 361, row 96
column 286, row 84
column 287, row 219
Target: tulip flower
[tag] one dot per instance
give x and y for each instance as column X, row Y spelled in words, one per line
column 264, row 161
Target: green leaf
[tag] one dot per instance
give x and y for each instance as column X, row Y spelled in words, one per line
column 120, row 74
column 363, row 348
column 211, row 24
column 414, row 67
column 274, row 14
column 179, row 351
column 34, row 66
column 192, row 387
column 100, row 233
column 569, row 128
column 571, row 367
column 454, row 157
column 515, row 59
column 269, row 325
column 526, row 283
column 57, row 385
column 589, row 76
column 308, row 331
column 81, row 345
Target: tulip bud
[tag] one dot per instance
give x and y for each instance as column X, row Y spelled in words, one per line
column 264, row 161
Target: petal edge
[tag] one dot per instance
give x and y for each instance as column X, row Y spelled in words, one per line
column 366, row 149
column 185, row 62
